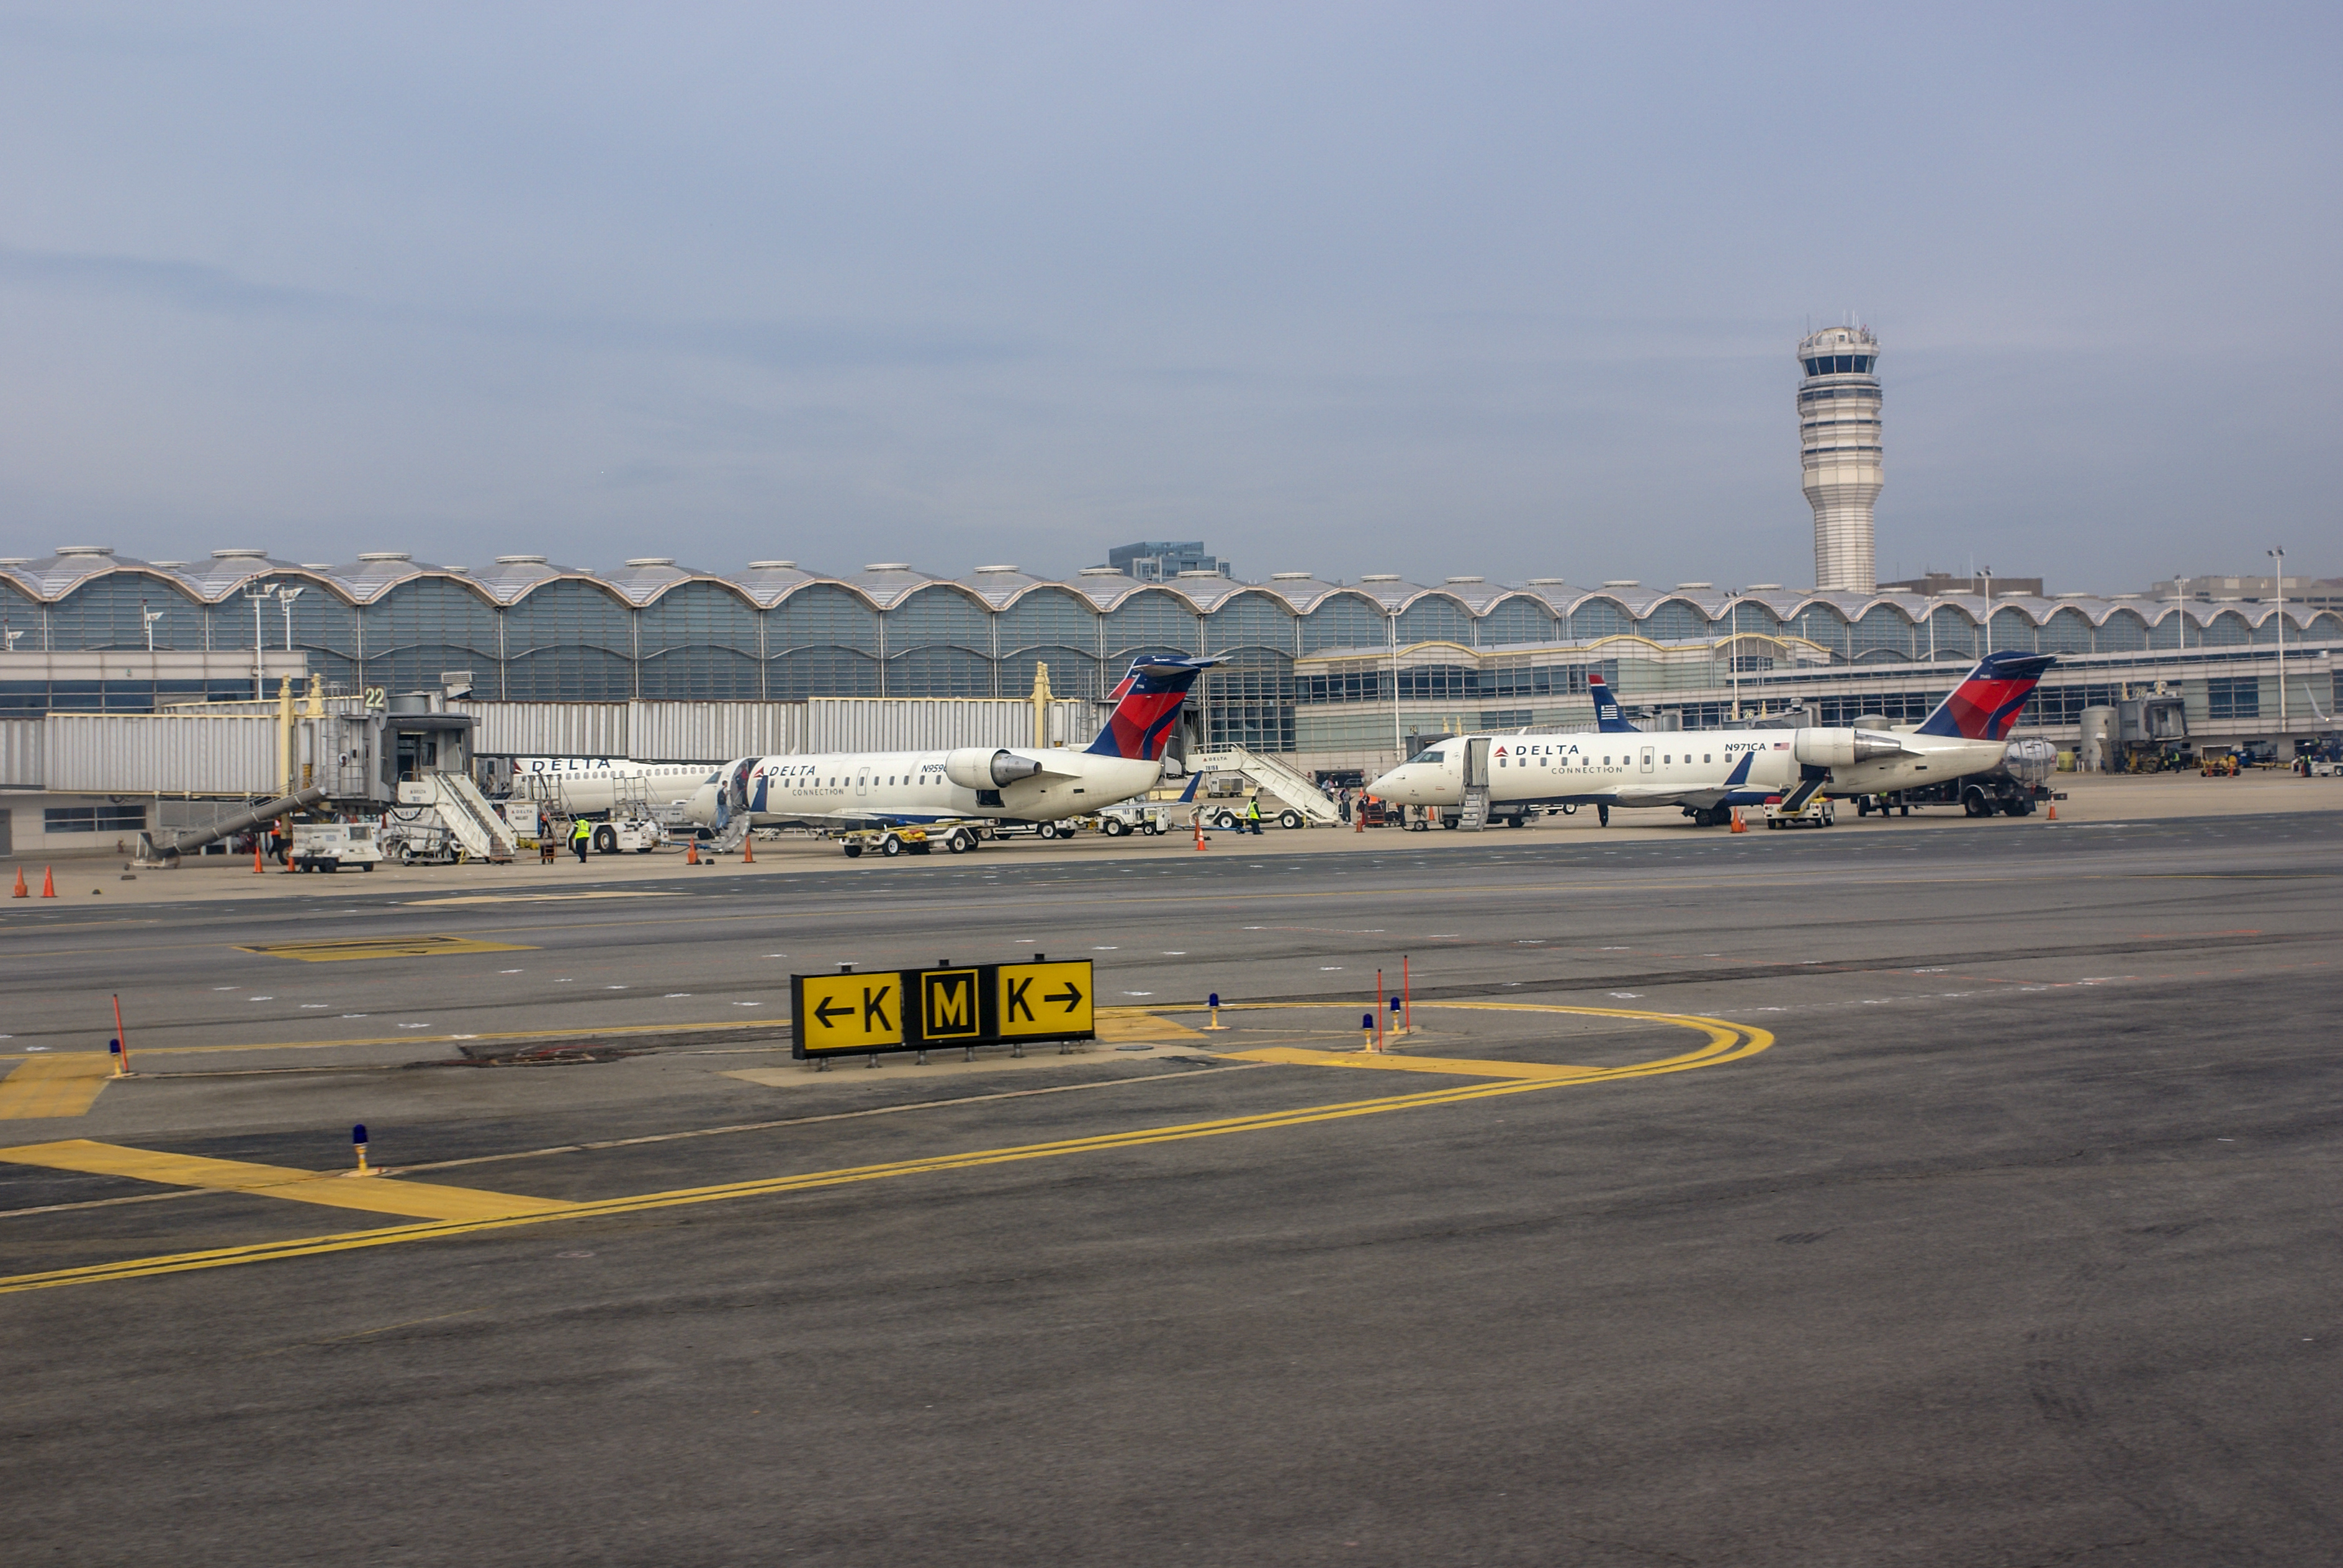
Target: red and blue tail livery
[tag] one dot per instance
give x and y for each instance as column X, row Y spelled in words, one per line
column 1608, row 719
column 1146, row 707
column 1986, row 705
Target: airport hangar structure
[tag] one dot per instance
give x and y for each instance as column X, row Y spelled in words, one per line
column 1334, row 675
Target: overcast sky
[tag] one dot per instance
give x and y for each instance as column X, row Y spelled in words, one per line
column 1432, row 290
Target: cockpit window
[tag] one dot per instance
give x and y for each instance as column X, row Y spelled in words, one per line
column 1433, row 757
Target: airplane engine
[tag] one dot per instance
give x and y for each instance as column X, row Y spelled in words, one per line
column 974, row 767
column 1842, row 747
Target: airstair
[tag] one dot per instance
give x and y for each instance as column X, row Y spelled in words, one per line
column 1475, row 814
column 466, row 813
column 1273, row 776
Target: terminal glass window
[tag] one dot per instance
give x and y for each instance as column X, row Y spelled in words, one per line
column 1251, row 620
column 421, row 628
column 940, row 671
column 570, row 642
column 1249, row 702
column 808, row 672
column 1883, row 632
column 2226, row 629
column 1519, row 619
column 2014, row 631
column 1344, row 621
column 2125, row 632
column 1600, row 618
column 1674, row 621
column 1052, row 626
column 92, row 819
column 1435, row 618
column 940, row 618
column 2233, row 697
column 821, row 615
column 2067, row 631
column 699, row 640
column 1149, row 621
column 104, row 613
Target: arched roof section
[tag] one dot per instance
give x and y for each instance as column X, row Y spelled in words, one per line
column 1105, row 586
column 886, row 583
column 767, row 583
column 513, row 578
column 1673, row 616
column 1389, row 590
column 54, row 576
column 1000, row 586
column 1250, row 618
column 1303, row 590
column 644, row 577
column 1206, row 590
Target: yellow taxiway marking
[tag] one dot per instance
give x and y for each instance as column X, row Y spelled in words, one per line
column 64, row 1085
column 1137, row 1026
column 529, row 898
column 1726, row 1042
column 332, row 951
column 1466, row 1067
column 334, row 1189
column 596, row 1033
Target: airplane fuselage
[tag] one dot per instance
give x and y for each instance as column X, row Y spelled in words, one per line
column 1688, row 768
column 585, row 785
column 914, row 787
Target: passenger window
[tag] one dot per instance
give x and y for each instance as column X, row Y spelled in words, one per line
column 1704, row 756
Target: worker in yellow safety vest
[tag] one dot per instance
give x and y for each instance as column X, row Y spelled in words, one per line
column 581, row 838
column 1253, row 815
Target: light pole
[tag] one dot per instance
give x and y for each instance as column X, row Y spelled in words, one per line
column 1986, row 578
column 1399, row 745
column 1733, row 658
column 257, row 594
column 150, row 616
column 2279, row 555
column 286, row 594
column 2179, row 610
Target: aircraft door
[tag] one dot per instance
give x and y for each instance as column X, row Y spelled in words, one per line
column 1647, row 760
column 1476, row 764
column 861, row 782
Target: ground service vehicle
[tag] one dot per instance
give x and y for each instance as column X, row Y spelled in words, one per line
column 957, row 838
column 1815, row 812
column 330, row 845
column 1134, row 817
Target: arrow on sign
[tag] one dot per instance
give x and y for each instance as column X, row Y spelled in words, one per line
column 827, row 1013
column 1069, row 996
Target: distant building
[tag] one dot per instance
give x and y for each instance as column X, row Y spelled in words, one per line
column 1840, row 452
column 1157, row 560
column 2317, row 593
column 1934, row 583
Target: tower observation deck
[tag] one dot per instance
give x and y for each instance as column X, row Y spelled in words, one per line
column 1838, row 440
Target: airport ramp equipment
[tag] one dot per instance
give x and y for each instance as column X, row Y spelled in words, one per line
column 1475, row 813
column 160, row 849
column 1273, row 776
column 467, row 815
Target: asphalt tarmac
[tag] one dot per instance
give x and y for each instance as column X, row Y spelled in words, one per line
column 1964, row 1195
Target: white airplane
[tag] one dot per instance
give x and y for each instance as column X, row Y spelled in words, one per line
column 585, row 785
column 1026, row 784
column 1706, row 773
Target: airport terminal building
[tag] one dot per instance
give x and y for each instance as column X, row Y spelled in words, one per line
column 1340, row 673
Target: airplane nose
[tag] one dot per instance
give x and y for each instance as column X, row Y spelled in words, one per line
column 702, row 809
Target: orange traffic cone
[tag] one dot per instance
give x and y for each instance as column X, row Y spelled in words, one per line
column 256, row 870
column 22, row 892
column 48, row 883
column 691, row 852
column 748, row 850
column 2054, row 812
column 1199, row 831
column 1738, row 825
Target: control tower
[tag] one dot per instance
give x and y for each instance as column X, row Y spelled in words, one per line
column 1838, row 440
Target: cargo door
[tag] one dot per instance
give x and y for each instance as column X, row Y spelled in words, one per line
column 1647, row 760
column 861, row 783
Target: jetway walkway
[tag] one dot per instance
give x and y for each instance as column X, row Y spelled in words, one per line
column 1273, row 776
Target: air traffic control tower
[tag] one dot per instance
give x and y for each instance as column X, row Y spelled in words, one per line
column 1839, row 438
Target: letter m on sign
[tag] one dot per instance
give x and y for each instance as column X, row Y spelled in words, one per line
column 951, row 1009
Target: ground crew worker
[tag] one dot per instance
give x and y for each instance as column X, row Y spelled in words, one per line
column 1253, row 815
column 581, row 838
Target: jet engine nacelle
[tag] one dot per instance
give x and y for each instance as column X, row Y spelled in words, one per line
column 1841, row 747
column 974, row 767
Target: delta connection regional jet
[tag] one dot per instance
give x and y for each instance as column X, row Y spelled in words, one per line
column 1708, row 772
column 1025, row 784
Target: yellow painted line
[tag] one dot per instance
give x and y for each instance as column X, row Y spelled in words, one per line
column 1726, row 1042
column 347, row 947
column 334, row 1189
column 65, row 1085
column 1463, row 1066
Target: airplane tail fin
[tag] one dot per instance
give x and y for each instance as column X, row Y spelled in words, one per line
column 1146, row 706
column 1607, row 717
column 1985, row 706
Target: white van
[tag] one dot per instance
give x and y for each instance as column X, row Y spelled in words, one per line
column 330, row 845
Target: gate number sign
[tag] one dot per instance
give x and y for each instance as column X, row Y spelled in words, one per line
column 915, row 1009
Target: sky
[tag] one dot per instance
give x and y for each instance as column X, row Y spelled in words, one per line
column 1435, row 290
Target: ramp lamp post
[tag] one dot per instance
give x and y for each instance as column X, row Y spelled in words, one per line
column 2278, row 556
column 257, row 593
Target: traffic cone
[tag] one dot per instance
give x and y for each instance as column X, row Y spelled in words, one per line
column 1199, row 831
column 22, row 892
column 48, row 883
column 1738, row 825
column 691, row 852
column 748, row 850
column 256, row 859
column 2054, row 812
